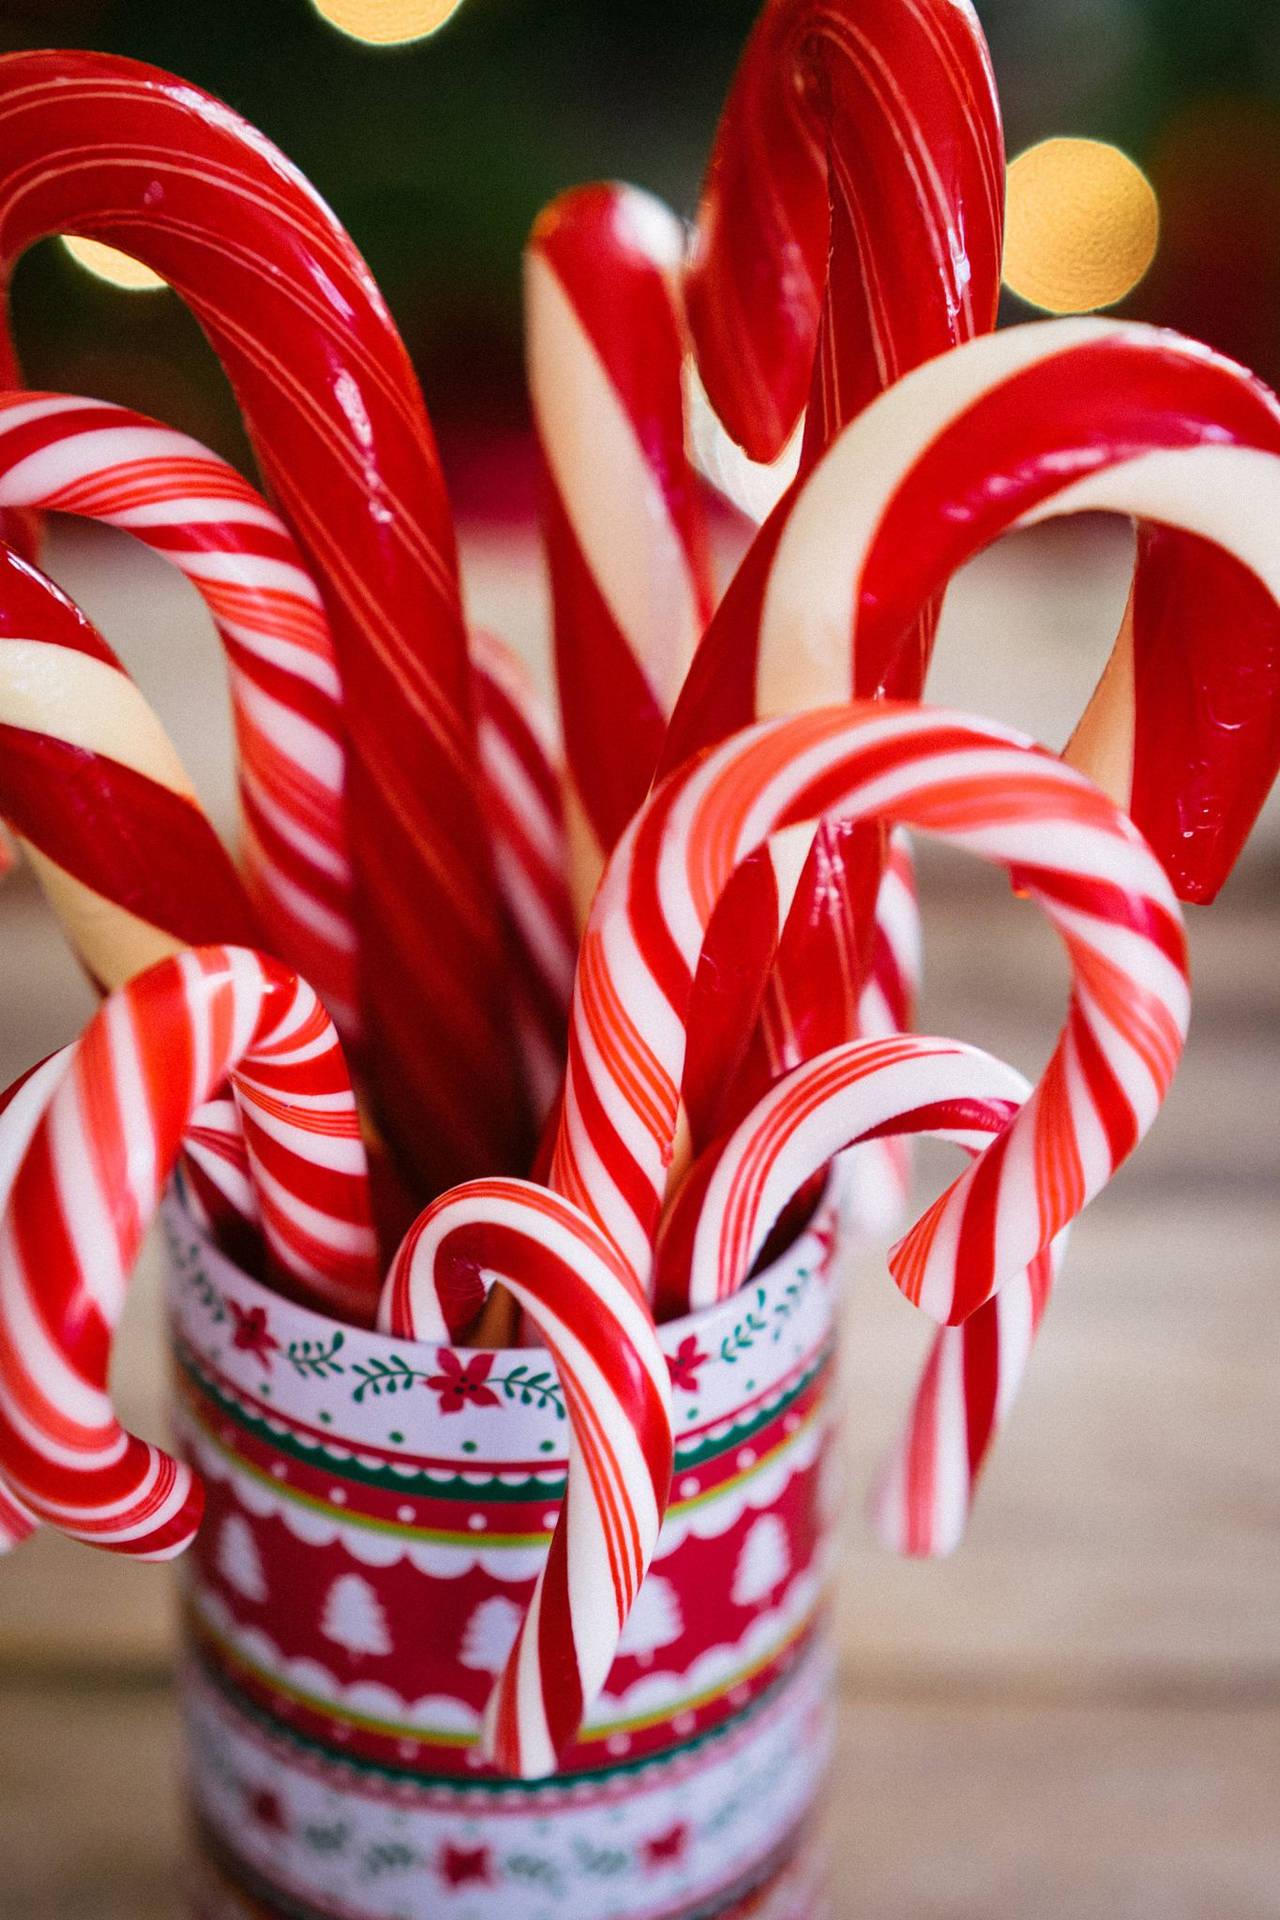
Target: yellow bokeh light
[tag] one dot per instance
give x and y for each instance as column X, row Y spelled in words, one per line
column 1081, row 225
column 386, row 23
column 108, row 263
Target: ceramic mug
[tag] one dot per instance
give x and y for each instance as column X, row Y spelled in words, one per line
column 377, row 1511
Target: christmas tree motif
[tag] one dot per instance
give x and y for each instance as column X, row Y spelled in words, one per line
column 238, row 1560
column 490, row 1634
column 654, row 1621
column 764, row 1562
column 353, row 1617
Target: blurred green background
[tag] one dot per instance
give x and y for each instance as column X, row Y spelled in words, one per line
column 438, row 155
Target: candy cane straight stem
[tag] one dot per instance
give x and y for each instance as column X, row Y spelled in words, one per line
column 981, row 787
column 626, row 543
column 925, row 1490
column 79, row 456
column 87, row 1188
column 21, row 1106
column 524, row 805
column 124, row 153
column 587, row 1304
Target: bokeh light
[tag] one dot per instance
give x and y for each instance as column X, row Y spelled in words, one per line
column 386, row 23
column 108, row 263
column 1081, row 225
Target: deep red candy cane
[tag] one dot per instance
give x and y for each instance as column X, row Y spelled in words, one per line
column 1054, row 417
column 121, row 152
column 850, row 228
column 92, row 785
column 858, row 168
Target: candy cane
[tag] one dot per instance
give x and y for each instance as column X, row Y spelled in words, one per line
column 850, row 226
column 122, row 152
column 89, row 1183
column 843, row 996
column 592, row 1314
column 80, row 456
column 524, row 805
column 91, row 784
column 1056, row 417
column 980, row 787
column 716, row 1231
column 717, row 1227
column 626, row 543
column 21, row 1106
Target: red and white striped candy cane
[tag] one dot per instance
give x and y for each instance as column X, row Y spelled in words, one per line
column 728, row 1070
column 714, row 1235
column 524, row 804
column 851, row 221
column 92, row 786
column 925, row 1490
column 718, row 1225
column 626, row 543
column 88, row 1185
column 590, row 1310
column 850, row 228
column 21, row 1106
column 122, row 152
column 113, row 465
column 117, row 839
column 1051, row 418
column 980, row 787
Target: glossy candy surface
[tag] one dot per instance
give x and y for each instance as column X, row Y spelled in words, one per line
column 1055, row 417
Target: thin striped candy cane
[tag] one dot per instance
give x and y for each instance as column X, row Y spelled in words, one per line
column 590, row 1310
column 21, row 1106
column 713, row 1235
column 86, row 1190
column 982, row 788
column 522, row 766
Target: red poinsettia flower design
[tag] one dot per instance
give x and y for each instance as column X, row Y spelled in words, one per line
column 684, row 1363
column 251, row 1334
column 666, row 1847
column 265, row 1807
column 460, row 1386
column 463, row 1866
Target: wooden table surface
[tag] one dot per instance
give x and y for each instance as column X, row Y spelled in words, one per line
column 1077, row 1715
